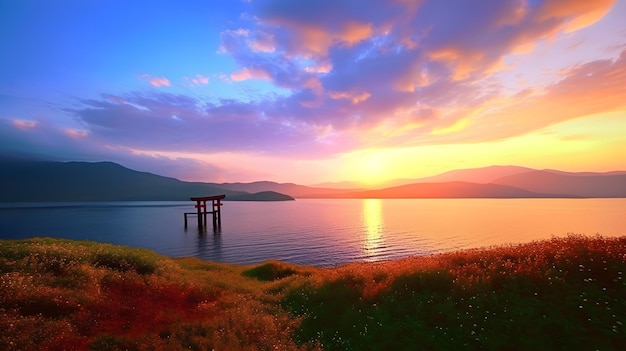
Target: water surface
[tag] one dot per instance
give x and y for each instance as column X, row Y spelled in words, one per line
column 319, row 232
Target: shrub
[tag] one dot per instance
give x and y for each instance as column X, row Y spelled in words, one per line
column 273, row 270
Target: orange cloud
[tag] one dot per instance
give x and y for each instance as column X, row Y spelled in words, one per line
column 355, row 32
column 530, row 27
column 463, row 62
column 415, row 78
column 317, row 40
column 250, row 73
column 160, row 82
column 319, row 67
column 580, row 13
column 354, row 97
column 76, row 133
column 24, row 124
column 568, row 16
column 155, row 81
column 592, row 88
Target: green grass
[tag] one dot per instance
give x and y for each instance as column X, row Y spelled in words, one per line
column 559, row 294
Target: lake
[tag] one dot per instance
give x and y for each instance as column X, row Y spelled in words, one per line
column 317, row 232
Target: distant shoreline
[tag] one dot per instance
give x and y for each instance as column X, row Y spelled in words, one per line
column 108, row 181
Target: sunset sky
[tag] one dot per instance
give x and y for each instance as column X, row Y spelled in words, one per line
column 315, row 91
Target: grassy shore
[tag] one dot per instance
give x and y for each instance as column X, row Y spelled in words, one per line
column 567, row 293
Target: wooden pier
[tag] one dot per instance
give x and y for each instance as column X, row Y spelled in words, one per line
column 202, row 210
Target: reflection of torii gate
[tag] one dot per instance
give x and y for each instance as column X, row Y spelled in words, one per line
column 202, row 210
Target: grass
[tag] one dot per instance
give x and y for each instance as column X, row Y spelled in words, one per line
column 565, row 293
column 75, row 295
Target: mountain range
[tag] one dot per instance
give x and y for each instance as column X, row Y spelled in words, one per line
column 22, row 181
column 103, row 181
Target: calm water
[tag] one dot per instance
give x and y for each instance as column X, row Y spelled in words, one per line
column 319, row 232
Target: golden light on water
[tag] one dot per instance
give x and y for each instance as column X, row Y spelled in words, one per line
column 373, row 223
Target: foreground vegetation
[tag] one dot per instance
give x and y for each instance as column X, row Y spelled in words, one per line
column 563, row 293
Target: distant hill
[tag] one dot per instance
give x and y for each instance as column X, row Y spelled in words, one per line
column 106, row 181
column 99, row 181
column 260, row 196
column 472, row 175
column 537, row 183
column 611, row 184
column 448, row 190
column 583, row 174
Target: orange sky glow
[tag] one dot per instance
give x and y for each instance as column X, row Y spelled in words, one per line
column 319, row 92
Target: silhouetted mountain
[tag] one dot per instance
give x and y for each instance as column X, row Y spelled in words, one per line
column 446, row 190
column 100, row 181
column 587, row 184
column 568, row 184
column 107, row 181
column 583, row 174
column 260, row 196
column 482, row 175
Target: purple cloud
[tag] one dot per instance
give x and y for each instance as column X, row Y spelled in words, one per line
column 425, row 56
column 184, row 124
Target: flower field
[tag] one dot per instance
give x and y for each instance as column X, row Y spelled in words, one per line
column 565, row 293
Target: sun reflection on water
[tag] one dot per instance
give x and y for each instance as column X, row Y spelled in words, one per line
column 373, row 223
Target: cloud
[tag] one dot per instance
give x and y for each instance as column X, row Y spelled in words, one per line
column 354, row 97
column 435, row 31
column 24, row 124
column 578, row 13
column 155, row 81
column 288, row 126
column 586, row 89
column 180, row 123
column 250, row 73
column 76, row 133
column 393, row 73
column 313, row 28
column 262, row 42
column 197, row 80
column 390, row 64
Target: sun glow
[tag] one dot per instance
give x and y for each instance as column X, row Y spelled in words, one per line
column 560, row 146
column 370, row 166
column 373, row 222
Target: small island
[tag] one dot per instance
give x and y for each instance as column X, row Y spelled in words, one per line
column 260, row 196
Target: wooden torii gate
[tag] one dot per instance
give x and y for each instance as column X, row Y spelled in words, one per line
column 202, row 210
